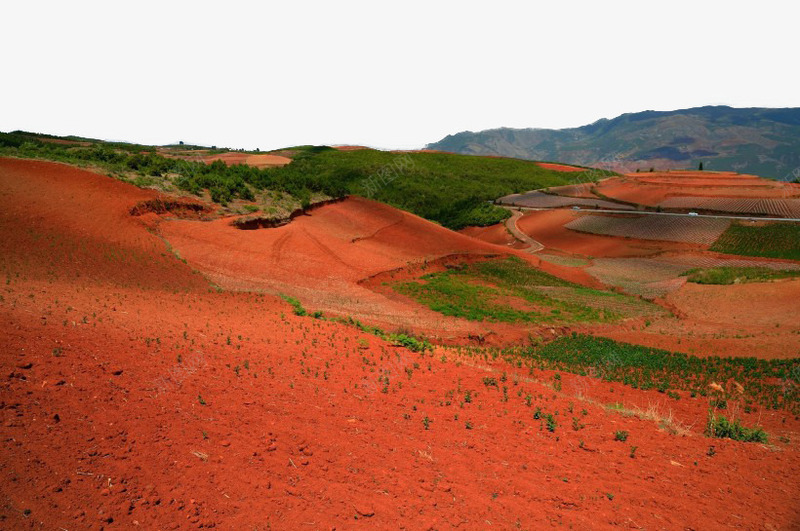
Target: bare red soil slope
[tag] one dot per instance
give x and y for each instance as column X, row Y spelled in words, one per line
column 133, row 396
column 560, row 167
column 652, row 188
column 321, row 257
column 257, row 161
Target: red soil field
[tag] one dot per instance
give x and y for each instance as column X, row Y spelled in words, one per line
column 653, row 188
column 132, row 395
column 548, row 228
column 716, row 321
column 560, row 167
column 350, row 148
column 496, row 234
column 321, row 259
column 257, row 161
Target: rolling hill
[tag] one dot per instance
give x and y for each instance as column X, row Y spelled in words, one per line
column 759, row 141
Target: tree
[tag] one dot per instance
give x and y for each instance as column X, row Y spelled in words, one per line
column 700, row 168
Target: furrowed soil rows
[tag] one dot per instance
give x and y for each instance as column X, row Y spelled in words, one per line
column 788, row 208
column 704, row 231
column 583, row 190
column 541, row 200
column 647, row 277
column 707, row 262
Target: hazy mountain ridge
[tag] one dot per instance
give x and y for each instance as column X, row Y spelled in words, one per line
column 760, row 141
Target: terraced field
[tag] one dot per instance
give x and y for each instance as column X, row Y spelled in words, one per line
column 704, row 231
column 707, row 262
column 655, row 277
column 786, row 208
column 537, row 199
column 646, row 277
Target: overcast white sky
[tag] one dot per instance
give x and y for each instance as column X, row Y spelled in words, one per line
column 383, row 74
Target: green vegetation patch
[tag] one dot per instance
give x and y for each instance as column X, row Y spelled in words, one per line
column 776, row 240
column 773, row 383
column 722, row 428
column 510, row 290
column 737, row 275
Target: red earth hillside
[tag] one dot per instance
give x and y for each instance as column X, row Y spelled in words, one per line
column 134, row 395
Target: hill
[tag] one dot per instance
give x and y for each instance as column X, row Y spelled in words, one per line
column 452, row 190
column 759, row 141
column 135, row 395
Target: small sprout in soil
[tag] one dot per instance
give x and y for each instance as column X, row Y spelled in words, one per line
column 621, row 436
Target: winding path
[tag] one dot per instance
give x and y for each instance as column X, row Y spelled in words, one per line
column 511, row 225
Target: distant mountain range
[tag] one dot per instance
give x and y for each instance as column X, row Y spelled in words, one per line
column 760, row 141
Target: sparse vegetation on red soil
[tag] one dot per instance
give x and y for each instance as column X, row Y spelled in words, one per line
column 153, row 377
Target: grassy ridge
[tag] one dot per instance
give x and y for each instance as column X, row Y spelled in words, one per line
column 737, row 275
column 776, row 240
column 453, row 190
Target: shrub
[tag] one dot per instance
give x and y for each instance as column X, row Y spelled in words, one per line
column 296, row 305
column 720, row 427
column 411, row 343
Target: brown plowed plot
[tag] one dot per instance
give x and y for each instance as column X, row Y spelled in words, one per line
column 574, row 190
column 350, row 148
column 787, row 208
column 736, row 320
column 257, row 161
column 656, row 277
column 646, row 277
column 541, row 200
column 706, row 261
column 548, row 227
column 703, row 231
column 133, row 395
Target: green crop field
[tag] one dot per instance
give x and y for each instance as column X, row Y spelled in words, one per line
column 772, row 383
column 776, row 240
column 510, row 290
column 738, row 275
